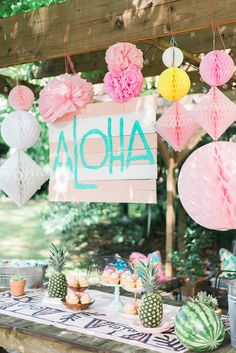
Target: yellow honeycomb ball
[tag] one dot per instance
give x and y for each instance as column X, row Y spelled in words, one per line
column 173, row 84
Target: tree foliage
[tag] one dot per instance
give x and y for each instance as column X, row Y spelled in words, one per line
column 13, row 7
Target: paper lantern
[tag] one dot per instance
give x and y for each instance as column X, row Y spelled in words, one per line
column 176, row 126
column 215, row 113
column 21, row 177
column 207, row 184
column 173, row 84
column 216, row 68
column 172, row 57
column 21, row 98
column 20, row 130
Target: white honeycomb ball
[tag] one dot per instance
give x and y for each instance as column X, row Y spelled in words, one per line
column 172, row 57
column 20, row 130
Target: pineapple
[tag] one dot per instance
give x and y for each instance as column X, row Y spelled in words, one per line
column 151, row 307
column 57, row 287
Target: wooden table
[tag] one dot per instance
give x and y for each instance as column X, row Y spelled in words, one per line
column 30, row 337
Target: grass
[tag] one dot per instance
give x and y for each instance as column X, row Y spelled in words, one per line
column 21, row 235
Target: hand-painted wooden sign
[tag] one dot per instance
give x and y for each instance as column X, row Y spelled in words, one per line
column 107, row 154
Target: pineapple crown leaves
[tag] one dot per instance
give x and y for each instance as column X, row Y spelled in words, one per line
column 57, row 258
column 148, row 274
column 207, row 299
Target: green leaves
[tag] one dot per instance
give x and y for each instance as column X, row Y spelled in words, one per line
column 12, row 7
column 57, row 256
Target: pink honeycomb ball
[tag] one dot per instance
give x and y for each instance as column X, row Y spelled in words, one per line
column 21, row 98
column 216, row 68
column 207, row 185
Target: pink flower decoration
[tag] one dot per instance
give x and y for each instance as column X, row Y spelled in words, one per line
column 122, row 85
column 122, row 55
column 65, row 94
column 21, row 98
column 176, row 126
column 207, row 185
column 215, row 113
column 216, row 68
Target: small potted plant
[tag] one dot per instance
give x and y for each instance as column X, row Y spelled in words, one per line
column 17, row 285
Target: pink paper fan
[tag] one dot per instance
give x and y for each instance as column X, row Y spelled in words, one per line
column 122, row 85
column 215, row 113
column 21, row 98
column 121, row 55
column 216, row 68
column 64, row 94
column 176, row 126
column 207, row 185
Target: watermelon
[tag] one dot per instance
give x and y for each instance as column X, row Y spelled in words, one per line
column 199, row 328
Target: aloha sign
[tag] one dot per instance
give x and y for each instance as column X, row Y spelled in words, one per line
column 107, row 154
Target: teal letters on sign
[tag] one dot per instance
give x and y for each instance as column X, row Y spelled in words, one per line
column 148, row 155
column 109, row 155
column 83, row 160
column 57, row 163
column 120, row 157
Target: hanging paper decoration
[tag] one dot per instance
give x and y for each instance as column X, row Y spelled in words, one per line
column 176, row 126
column 207, row 185
column 20, row 130
column 21, row 98
column 173, row 83
column 122, row 85
column 172, row 57
column 20, row 176
column 215, row 113
column 124, row 79
column 64, row 94
column 216, row 68
column 121, row 55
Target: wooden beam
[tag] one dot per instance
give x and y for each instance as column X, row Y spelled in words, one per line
column 79, row 26
column 162, row 45
column 95, row 61
column 162, row 147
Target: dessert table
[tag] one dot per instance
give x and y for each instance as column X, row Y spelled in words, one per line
column 35, row 323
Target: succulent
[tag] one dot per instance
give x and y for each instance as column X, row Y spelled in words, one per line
column 17, row 278
column 207, row 299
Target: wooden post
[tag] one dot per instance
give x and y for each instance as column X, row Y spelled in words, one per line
column 181, row 226
column 170, row 211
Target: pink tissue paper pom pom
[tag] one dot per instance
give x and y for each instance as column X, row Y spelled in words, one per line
column 122, row 55
column 21, row 98
column 122, row 85
column 65, row 94
column 216, row 68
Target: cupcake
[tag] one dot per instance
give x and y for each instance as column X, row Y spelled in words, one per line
column 139, row 284
column 129, row 283
column 105, row 277
column 123, row 279
column 71, row 297
column 73, row 281
column 114, row 279
column 83, row 281
column 85, row 298
column 130, row 309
